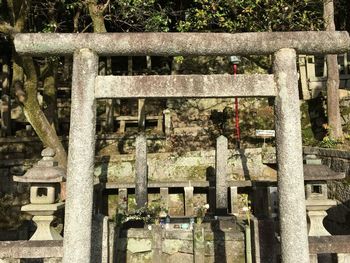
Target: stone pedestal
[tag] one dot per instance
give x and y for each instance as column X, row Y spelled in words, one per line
column 43, row 215
column 316, row 211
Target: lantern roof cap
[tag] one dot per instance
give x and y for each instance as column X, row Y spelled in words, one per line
column 44, row 171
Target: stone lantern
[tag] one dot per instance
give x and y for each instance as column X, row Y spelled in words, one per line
column 316, row 176
column 44, row 179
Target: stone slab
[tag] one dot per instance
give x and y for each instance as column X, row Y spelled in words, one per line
column 184, row 86
column 329, row 244
column 173, row 44
column 31, row 249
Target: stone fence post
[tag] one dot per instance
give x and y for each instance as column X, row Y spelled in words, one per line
column 198, row 244
column 141, row 171
column 221, row 157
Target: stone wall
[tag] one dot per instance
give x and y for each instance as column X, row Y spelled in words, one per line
column 215, row 241
column 220, row 245
column 190, row 166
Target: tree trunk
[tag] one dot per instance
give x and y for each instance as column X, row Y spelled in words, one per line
column 333, row 110
column 36, row 116
column 50, row 94
column 28, row 97
column 5, row 100
column 96, row 12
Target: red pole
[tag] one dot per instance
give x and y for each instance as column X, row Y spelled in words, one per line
column 238, row 132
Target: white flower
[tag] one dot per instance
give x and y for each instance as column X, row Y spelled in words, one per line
column 245, row 209
column 206, row 206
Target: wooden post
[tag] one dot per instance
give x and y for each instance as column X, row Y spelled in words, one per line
column 333, row 110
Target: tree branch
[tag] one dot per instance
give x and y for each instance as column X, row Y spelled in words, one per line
column 7, row 29
column 105, row 6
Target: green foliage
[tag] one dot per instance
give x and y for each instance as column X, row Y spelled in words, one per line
column 252, row 15
column 328, row 141
column 149, row 214
column 306, row 127
column 140, row 15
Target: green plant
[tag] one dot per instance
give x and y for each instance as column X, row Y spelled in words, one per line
column 149, row 214
column 200, row 212
column 328, row 141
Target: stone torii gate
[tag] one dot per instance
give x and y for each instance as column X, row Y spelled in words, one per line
column 87, row 86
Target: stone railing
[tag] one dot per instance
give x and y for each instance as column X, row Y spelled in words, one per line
column 50, row 251
column 188, row 190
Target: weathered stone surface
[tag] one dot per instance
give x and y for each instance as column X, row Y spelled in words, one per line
column 144, row 257
column 31, row 249
column 269, row 155
column 45, row 170
column 172, row 44
column 175, row 234
column 137, row 233
column 329, row 244
column 198, row 244
column 141, row 171
column 164, row 198
column 81, row 153
column 189, row 207
column 139, row 245
column 324, row 152
column 53, row 260
column 294, row 243
column 179, row 257
column 195, row 165
column 221, row 170
column 101, row 243
column 180, row 86
column 343, row 258
column 314, row 172
column 171, row 246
